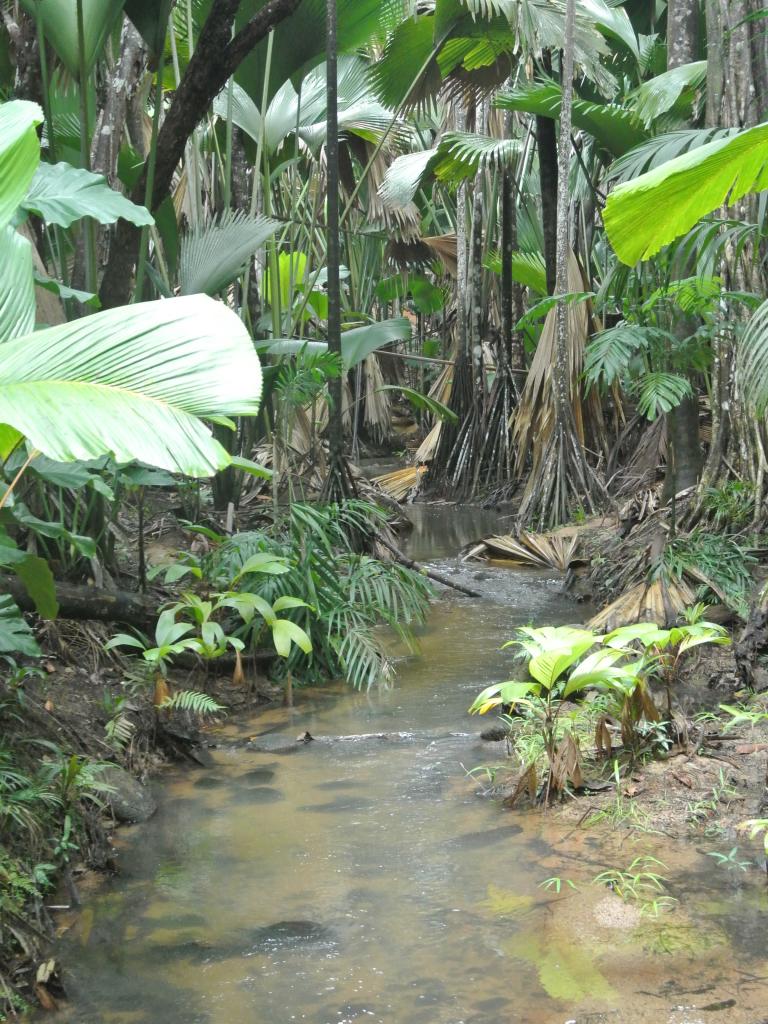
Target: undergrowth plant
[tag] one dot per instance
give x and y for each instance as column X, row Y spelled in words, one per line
column 547, row 711
column 329, row 588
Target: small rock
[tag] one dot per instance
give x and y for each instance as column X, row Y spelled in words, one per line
column 129, row 800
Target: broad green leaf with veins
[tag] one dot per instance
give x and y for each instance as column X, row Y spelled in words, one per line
column 132, row 383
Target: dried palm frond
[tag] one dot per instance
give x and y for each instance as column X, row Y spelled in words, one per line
column 401, row 484
column 535, row 415
column 661, row 601
column 556, row 551
column 377, row 412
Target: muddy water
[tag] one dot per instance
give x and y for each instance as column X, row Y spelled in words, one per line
column 364, row 880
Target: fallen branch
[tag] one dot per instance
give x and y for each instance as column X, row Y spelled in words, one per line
column 409, row 563
column 77, row 601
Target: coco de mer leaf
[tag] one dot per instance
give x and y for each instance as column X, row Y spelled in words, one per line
column 133, row 383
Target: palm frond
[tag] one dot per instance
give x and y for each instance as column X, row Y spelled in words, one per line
column 608, row 355
column 213, row 255
column 658, row 392
column 676, row 89
column 643, row 215
column 616, row 129
column 753, row 359
column 131, row 382
column 660, row 149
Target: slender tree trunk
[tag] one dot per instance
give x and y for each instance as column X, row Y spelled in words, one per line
column 684, row 456
column 338, row 483
column 547, row 147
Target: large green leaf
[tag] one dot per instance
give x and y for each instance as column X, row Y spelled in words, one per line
column 17, row 285
column 643, row 215
column 132, row 382
column 19, row 153
column 213, row 255
column 59, row 21
column 15, row 634
column 527, row 268
column 33, row 572
column 615, row 128
column 62, row 194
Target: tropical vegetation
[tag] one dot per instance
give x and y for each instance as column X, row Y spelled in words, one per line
column 247, row 245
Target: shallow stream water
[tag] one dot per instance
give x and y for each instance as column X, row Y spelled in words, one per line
column 366, row 880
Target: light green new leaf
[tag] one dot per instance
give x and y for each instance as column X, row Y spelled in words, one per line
column 19, row 153
column 17, row 285
column 62, row 194
column 132, row 383
column 213, row 255
column 643, row 215
column 284, row 633
column 59, row 21
column 527, row 269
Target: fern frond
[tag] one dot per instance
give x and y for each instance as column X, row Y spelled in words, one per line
column 193, row 701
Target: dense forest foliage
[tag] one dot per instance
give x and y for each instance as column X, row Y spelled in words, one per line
column 246, row 245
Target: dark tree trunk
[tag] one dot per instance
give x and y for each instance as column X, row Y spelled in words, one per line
column 338, row 483
column 547, row 148
column 217, row 56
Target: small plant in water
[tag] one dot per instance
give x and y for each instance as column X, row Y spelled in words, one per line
column 730, row 860
column 640, row 885
column 555, row 884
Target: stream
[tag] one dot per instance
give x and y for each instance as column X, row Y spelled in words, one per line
column 368, row 880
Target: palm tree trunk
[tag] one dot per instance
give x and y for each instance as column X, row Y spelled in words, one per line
column 547, row 148
column 338, row 484
column 684, row 458
column 563, row 477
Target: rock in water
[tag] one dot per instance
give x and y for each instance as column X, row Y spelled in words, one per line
column 129, row 800
column 291, row 934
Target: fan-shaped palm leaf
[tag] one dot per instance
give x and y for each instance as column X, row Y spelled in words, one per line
column 659, row 392
column 290, row 111
column 213, row 255
column 643, row 215
column 132, row 383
